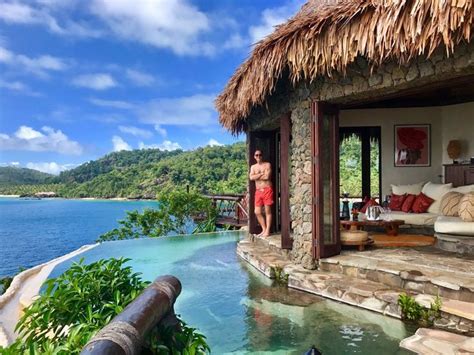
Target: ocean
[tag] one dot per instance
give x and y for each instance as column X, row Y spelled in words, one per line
column 35, row 231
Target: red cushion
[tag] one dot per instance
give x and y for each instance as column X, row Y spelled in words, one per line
column 421, row 203
column 408, row 203
column 396, row 202
column 369, row 203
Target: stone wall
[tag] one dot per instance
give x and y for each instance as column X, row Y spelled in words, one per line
column 359, row 83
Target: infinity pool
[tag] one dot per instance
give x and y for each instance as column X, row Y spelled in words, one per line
column 240, row 311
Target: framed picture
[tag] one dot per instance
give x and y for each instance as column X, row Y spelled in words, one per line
column 412, row 145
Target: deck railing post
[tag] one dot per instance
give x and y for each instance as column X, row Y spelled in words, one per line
column 125, row 334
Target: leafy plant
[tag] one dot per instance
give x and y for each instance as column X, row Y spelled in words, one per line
column 281, row 278
column 77, row 304
column 175, row 211
column 413, row 311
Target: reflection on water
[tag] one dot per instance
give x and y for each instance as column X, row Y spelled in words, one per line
column 240, row 311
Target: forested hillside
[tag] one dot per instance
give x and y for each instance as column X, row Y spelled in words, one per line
column 16, row 176
column 144, row 173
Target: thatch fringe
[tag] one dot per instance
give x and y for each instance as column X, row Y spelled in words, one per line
column 322, row 39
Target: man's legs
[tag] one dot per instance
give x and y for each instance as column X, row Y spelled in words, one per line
column 260, row 219
column 268, row 216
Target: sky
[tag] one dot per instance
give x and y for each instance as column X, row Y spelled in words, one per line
column 82, row 78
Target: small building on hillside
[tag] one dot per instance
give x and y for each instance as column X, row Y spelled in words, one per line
column 376, row 70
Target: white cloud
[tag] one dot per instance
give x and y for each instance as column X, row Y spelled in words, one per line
column 161, row 131
column 112, row 103
column 172, row 24
column 39, row 65
column 43, row 14
column 213, row 143
column 120, row 144
column 135, row 131
column 46, row 140
column 50, row 168
column 196, row 110
column 272, row 17
column 235, row 41
column 18, row 86
column 97, row 81
column 139, row 78
column 165, row 145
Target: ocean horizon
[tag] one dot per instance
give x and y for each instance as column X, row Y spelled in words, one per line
column 35, row 231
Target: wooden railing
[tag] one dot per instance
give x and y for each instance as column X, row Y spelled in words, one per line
column 125, row 334
column 232, row 209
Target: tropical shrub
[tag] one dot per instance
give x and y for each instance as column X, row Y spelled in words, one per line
column 413, row 311
column 175, row 212
column 77, row 304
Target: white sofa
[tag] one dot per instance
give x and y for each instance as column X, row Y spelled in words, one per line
column 442, row 224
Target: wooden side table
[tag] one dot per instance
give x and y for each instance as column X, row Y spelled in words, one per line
column 391, row 227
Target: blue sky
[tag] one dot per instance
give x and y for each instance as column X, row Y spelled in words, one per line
column 80, row 79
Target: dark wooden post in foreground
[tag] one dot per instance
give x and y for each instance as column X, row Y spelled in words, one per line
column 125, row 333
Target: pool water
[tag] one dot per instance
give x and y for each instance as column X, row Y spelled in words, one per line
column 240, row 311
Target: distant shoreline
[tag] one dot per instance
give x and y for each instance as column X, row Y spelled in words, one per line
column 85, row 198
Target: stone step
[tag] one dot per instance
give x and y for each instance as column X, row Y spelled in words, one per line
column 272, row 243
column 438, row 342
column 413, row 275
column 364, row 293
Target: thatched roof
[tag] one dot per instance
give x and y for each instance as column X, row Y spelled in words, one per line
column 321, row 39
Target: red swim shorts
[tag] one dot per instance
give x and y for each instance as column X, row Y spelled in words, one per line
column 264, row 197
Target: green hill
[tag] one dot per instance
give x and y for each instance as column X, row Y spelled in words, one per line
column 144, row 173
column 10, row 175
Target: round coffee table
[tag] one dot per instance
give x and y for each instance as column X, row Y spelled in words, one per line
column 391, row 227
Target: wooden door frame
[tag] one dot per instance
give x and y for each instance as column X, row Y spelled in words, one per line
column 319, row 248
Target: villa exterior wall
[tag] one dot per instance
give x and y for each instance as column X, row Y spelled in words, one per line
column 358, row 84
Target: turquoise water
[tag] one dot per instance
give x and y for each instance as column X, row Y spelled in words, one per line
column 240, row 311
column 35, row 231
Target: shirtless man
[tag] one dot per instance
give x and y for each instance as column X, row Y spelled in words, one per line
column 261, row 173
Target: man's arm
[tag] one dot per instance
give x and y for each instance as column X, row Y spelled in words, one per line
column 253, row 175
column 267, row 173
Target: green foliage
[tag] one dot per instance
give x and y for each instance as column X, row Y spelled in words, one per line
column 77, row 304
column 351, row 167
column 413, row 311
column 167, row 340
column 174, row 213
column 19, row 176
column 147, row 172
column 281, row 278
column 5, row 283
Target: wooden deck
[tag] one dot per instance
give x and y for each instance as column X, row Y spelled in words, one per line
column 232, row 210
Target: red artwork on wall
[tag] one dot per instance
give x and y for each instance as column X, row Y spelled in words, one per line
column 412, row 145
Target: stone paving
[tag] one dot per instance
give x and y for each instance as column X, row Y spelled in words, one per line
column 373, row 280
column 436, row 342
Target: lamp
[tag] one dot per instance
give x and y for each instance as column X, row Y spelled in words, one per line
column 454, row 150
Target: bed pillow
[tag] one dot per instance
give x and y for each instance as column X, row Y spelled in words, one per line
column 450, row 204
column 413, row 189
column 396, row 202
column 436, row 192
column 422, row 203
column 408, row 203
column 466, row 207
column 464, row 189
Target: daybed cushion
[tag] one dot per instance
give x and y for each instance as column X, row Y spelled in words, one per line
column 453, row 225
column 450, row 204
column 423, row 219
column 413, row 189
column 463, row 189
column 436, row 192
column 466, row 207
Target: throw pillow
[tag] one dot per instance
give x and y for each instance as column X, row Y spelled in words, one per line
column 436, row 192
column 466, row 207
column 396, row 202
column 408, row 203
column 422, row 203
column 464, row 189
column 369, row 203
column 450, row 204
column 414, row 189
